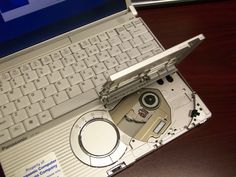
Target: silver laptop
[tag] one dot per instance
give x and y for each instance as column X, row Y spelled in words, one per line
column 86, row 89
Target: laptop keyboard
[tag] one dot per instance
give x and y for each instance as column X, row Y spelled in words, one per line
column 41, row 91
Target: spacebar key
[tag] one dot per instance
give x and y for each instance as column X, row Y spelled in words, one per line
column 73, row 103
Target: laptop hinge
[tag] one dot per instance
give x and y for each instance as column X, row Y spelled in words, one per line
column 111, row 93
column 133, row 11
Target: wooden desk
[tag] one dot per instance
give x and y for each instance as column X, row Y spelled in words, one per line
column 209, row 150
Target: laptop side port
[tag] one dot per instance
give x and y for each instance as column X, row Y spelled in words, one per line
column 118, row 168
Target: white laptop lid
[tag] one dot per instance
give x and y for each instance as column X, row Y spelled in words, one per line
column 24, row 23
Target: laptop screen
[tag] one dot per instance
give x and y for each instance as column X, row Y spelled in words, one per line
column 26, row 22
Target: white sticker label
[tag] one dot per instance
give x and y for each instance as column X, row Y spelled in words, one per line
column 47, row 166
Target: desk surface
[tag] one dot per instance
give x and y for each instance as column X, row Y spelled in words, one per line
column 209, row 150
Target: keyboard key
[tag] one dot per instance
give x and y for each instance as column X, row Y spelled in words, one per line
column 114, row 41
column 136, row 42
column 17, row 82
column 62, row 84
column 73, row 103
column 87, row 73
column 46, row 60
column 4, row 136
column 75, row 47
column 129, row 26
column 67, row 71
column 3, row 99
column 146, row 47
column 19, row 115
column 30, row 76
column 73, row 91
column 75, row 79
column 28, row 88
column 6, row 122
column 112, row 33
column 25, row 68
column 80, row 55
column 138, row 31
column 99, row 68
column 60, row 97
column 125, row 46
column 79, row 66
column 5, row 87
column 65, row 51
column 114, row 51
column 47, row 103
column 92, row 50
column 111, row 63
column 15, row 73
column 103, row 45
column 125, row 36
column 122, row 58
column 44, row 117
column 22, row 102
column 5, row 77
column 17, row 130
column 56, row 65
column 36, row 64
column 120, row 30
column 54, row 77
column 133, row 53
column 103, row 36
column 102, row 56
column 8, row 108
column 137, row 22
column 146, row 37
column 31, row 123
column 49, row 90
column 43, row 71
column 85, row 43
column 56, row 56
column 41, row 82
column 36, row 96
column 90, row 61
column 14, row 94
column 33, row 109
column 99, row 80
column 94, row 40
column 68, row 60
column 86, row 85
